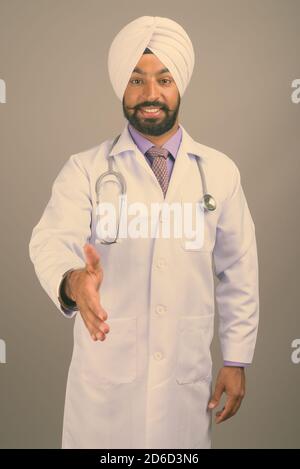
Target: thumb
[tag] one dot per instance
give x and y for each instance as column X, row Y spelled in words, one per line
column 216, row 396
column 92, row 258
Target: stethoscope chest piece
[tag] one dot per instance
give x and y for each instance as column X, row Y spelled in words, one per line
column 209, row 202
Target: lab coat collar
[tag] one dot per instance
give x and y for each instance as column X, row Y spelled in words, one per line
column 188, row 144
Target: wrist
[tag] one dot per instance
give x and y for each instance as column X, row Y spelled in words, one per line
column 64, row 298
column 68, row 289
column 70, row 283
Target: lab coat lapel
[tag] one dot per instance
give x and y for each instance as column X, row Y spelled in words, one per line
column 124, row 144
column 188, row 150
column 181, row 166
column 182, row 163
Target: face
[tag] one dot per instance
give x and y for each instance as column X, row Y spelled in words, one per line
column 151, row 86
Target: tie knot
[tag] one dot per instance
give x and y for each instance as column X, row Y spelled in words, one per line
column 157, row 151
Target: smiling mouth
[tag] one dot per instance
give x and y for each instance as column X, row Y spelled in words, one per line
column 150, row 111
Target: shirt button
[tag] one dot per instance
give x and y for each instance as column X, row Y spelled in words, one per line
column 160, row 309
column 158, row 355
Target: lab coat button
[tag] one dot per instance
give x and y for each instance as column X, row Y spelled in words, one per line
column 158, row 355
column 160, row 309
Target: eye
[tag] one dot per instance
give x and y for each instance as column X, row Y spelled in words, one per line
column 134, row 79
column 165, row 81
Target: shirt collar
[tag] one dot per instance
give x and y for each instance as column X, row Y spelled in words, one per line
column 189, row 145
column 172, row 145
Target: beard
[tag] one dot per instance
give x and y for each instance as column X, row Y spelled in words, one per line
column 149, row 125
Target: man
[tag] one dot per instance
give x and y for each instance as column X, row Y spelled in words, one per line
column 140, row 375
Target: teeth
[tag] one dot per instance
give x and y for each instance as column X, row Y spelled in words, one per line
column 151, row 110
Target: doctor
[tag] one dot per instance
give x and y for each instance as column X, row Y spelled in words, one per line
column 141, row 369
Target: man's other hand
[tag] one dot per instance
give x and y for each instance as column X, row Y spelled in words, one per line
column 231, row 380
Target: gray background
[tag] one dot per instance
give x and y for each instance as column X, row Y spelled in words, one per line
column 53, row 58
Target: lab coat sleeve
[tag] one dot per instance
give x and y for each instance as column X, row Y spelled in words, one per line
column 236, row 268
column 57, row 241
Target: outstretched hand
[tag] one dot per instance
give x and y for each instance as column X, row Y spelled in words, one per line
column 83, row 287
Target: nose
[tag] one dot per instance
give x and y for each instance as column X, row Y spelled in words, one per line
column 151, row 91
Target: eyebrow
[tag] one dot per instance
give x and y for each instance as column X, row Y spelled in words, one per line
column 139, row 70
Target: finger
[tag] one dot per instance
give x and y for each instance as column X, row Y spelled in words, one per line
column 238, row 405
column 95, row 333
column 216, row 395
column 227, row 410
column 92, row 258
column 93, row 313
column 222, row 415
column 220, row 412
column 94, row 305
column 93, row 327
column 238, row 398
column 97, row 323
column 90, row 327
column 100, row 336
column 93, row 323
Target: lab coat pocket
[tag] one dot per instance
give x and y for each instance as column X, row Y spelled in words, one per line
column 112, row 361
column 194, row 361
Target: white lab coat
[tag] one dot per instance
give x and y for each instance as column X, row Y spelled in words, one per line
column 148, row 384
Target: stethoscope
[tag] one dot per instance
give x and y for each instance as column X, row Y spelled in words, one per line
column 207, row 201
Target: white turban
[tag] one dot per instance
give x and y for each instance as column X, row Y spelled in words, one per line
column 164, row 37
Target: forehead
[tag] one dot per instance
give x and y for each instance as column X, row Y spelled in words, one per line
column 150, row 64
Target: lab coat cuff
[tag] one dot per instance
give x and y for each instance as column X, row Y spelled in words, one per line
column 68, row 306
column 237, row 353
column 68, row 310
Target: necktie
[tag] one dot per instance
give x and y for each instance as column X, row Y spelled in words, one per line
column 159, row 166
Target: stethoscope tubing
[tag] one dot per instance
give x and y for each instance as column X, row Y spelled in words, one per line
column 208, row 200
